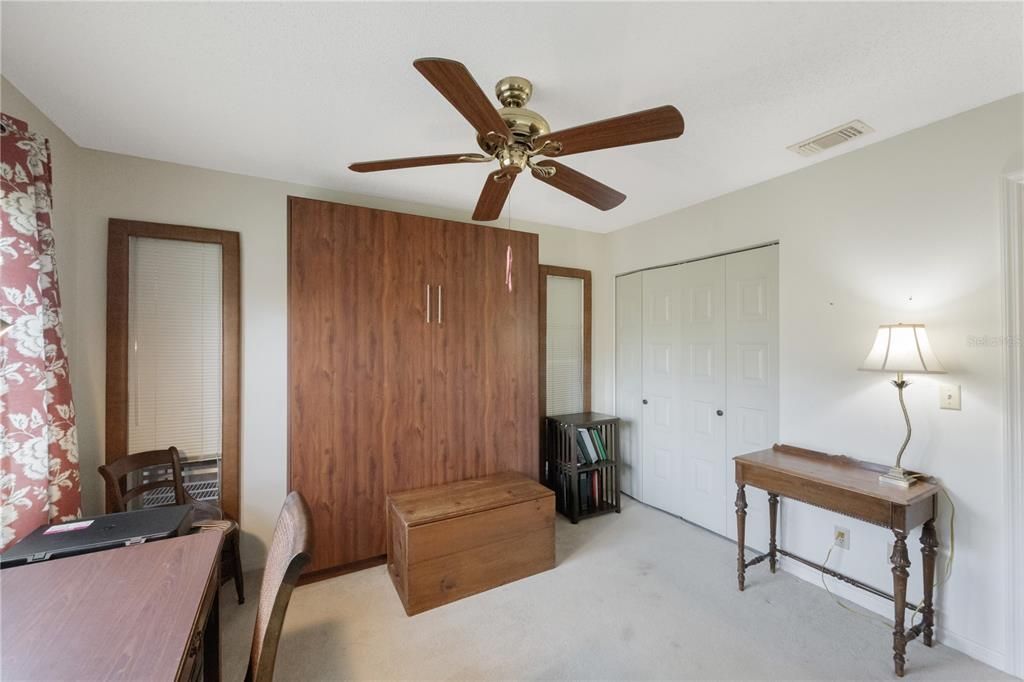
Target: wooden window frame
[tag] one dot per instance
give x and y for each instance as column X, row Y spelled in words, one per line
column 119, row 233
column 546, row 271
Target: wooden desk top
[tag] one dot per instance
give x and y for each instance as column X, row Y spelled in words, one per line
column 838, row 471
column 426, row 505
column 125, row 613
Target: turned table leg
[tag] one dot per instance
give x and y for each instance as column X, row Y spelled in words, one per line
column 929, row 547
column 900, row 563
column 741, row 527
column 773, row 517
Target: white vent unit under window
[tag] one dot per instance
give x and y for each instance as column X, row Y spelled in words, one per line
column 831, row 138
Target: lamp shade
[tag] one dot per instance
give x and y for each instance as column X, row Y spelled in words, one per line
column 902, row 348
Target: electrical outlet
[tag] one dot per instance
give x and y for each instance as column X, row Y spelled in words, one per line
column 842, row 537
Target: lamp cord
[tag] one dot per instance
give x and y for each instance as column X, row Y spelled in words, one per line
column 949, row 562
column 870, row 618
column 945, row 577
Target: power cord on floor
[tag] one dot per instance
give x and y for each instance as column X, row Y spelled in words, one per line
column 946, row 574
column 872, row 619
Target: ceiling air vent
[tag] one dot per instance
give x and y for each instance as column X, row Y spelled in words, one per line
column 831, row 138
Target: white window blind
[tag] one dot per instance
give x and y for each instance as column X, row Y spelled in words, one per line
column 565, row 345
column 174, row 347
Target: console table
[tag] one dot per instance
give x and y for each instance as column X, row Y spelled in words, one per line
column 850, row 487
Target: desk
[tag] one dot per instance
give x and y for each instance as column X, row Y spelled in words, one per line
column 850, row 487
column 148, row 612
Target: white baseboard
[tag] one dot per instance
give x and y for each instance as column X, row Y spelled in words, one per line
column 883, row 608
column 972, row 649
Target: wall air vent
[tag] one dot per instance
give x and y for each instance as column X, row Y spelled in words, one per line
column 831, row 138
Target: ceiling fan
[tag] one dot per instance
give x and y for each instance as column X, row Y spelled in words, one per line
column 516, row 137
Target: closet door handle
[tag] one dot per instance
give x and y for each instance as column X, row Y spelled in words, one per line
column 428, row 304
column 439, row 308
column 645, row 401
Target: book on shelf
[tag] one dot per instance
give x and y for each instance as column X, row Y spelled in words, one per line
column 583, row 457
column 588, row 444
column 581, row 444
column 592, row 491
column 599, row 442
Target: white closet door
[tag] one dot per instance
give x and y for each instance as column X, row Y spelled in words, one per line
column 662, row 388
column 752, row 330
column 628, row 368
column 703, row 387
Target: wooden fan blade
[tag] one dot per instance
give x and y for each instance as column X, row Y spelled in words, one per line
column 662, row 123
column 583, row 187
column 492, row 198
column 415, row 162
column 453, row 80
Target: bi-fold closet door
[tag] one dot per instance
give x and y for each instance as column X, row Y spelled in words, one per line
column 697, row 348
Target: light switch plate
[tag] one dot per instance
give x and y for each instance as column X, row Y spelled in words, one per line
column 949, row 397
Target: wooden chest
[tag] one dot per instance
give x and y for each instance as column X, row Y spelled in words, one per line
column 458, row 539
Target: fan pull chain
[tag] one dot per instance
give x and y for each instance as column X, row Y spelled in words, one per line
column 508, row 251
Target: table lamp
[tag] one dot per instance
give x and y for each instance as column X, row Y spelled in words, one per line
column 903, row 349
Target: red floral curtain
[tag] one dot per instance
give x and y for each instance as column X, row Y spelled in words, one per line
column 39, row 479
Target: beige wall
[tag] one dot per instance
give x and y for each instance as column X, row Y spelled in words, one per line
column 907, row 230
column 112, row 185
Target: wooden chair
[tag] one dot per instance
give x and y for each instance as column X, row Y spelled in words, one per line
column 205, row 516
column 289, row 554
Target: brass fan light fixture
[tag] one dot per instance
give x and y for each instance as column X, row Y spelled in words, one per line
column 515, row 137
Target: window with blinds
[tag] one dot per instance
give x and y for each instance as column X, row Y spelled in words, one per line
column 564, row 345
column 175, row 344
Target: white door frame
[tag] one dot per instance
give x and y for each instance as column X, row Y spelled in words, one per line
column 1013, row 344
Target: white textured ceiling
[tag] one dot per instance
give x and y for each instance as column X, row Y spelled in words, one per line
column 297, row 91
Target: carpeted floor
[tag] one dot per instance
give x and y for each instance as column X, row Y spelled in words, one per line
column 641, row 595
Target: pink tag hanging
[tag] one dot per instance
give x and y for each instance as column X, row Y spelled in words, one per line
column 508, row 268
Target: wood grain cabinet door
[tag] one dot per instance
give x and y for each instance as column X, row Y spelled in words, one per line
column 410, row 314
column 501, row 390
column 483, row 381
column 454, row 363
column 336, row 375
column 516, row 348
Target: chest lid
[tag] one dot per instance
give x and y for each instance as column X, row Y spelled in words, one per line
column 427, row 505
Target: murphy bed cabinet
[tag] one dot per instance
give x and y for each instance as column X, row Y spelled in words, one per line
column 410, row 363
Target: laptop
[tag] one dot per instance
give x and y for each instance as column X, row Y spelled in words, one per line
column 98, row 533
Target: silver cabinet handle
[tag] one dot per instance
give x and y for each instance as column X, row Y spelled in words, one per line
column 439, row 309
column 428, row 304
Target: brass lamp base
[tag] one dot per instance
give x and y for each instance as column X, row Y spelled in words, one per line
column 897, row 476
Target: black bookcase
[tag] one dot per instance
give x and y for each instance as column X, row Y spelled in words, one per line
column 582, row 488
